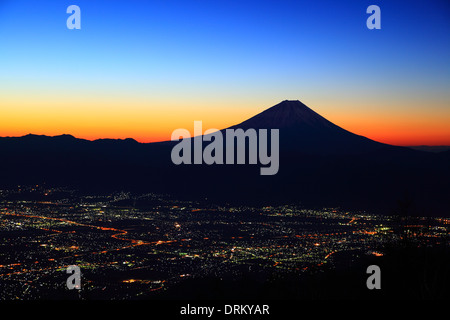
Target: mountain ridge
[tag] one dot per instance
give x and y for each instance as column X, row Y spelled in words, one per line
column 303, row 130
column 323, row 166
column 285, row 115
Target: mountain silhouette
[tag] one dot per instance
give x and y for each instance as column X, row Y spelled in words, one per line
column 303, row 130
column 321, row 164
column 288, row 114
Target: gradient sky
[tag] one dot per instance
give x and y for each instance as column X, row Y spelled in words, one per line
column 142, row 69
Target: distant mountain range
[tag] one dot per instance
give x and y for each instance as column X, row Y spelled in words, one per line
column 321, row 164
column 431, row 148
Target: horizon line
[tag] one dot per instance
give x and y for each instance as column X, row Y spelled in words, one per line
column 158, row 141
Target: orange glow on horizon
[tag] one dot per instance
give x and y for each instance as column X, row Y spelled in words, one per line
column 148, row 120
column 401, row 135
column 399, row 131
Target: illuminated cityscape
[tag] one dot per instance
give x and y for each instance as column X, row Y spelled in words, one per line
column 139, row 246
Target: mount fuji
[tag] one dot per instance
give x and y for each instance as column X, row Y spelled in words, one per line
column 305, row 131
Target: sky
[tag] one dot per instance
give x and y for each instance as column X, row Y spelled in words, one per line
column 141, row 69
